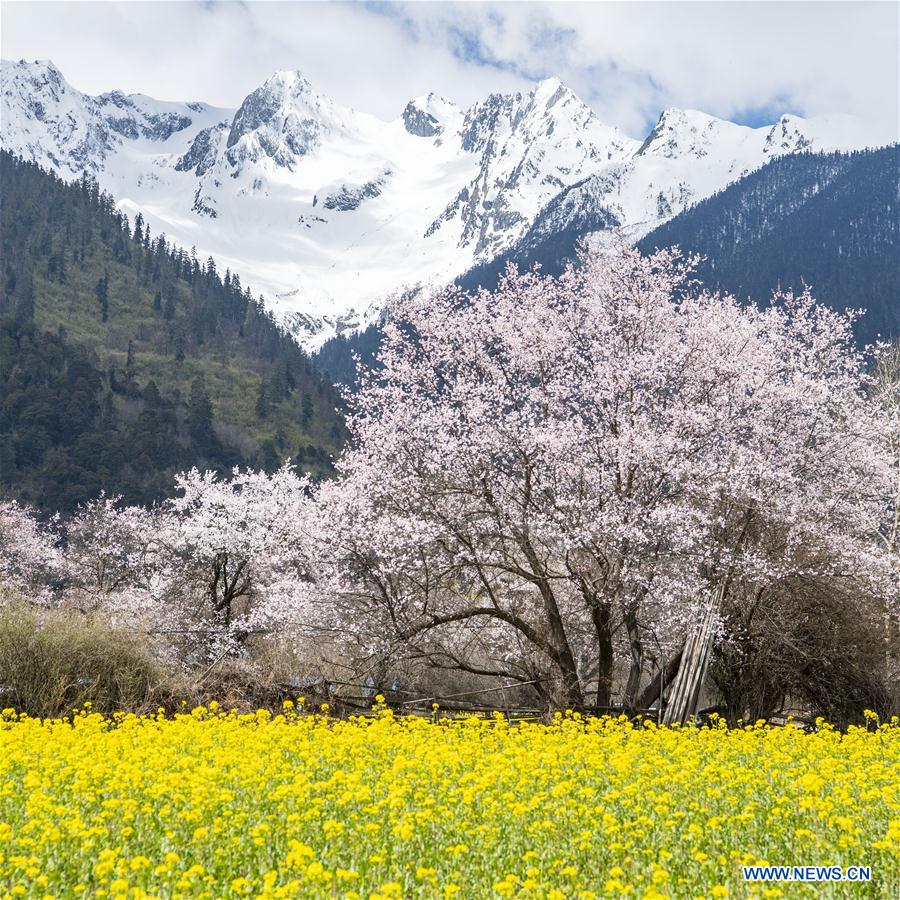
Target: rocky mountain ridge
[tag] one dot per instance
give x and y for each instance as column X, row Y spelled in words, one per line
column 328, row 211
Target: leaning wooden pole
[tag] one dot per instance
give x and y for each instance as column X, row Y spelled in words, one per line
column 685, row 693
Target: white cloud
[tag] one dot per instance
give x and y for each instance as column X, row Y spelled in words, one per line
column 628, row 60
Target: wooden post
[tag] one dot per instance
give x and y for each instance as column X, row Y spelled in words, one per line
column 688, row 682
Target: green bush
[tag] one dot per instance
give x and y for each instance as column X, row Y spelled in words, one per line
column 52, row 661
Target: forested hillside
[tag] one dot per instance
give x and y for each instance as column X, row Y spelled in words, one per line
column 338, row 355
column 829, row 220
column 124, row 359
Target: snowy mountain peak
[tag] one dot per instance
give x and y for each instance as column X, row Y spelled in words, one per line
column 287, row 89
column 431, row 115
column 49, row 121
column 290, row 82
column 788, row 135
column 551, row 91
column 40, row 74
column 36, row 86
column 529, row 146
column 327, row 211
column 282, row 119
column 684, row 132
column 548, row 85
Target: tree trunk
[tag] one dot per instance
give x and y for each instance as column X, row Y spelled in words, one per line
column 637, row 661
column 604, row 658
column 660, row 681
column 573, row 693
column 563, row 656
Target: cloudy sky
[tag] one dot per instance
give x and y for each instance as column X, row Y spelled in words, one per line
column 744, row 61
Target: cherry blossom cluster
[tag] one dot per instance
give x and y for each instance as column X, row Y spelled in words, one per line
column 219, row 562
column 31, row 562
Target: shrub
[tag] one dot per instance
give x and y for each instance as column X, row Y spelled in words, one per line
column 814, row 645
column 52, row 661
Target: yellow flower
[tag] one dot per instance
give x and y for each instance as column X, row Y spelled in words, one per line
column 315, row 870
column 233, row 804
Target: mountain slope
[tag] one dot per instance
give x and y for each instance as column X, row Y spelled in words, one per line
column 125, row 359
column 329, row 211
column 828, row 220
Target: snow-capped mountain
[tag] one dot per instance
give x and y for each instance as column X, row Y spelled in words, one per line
column 327, row 210
column 688, row 156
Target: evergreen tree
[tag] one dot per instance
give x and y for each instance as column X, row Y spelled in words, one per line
column 307, row 410
column 262, row 399
column 268, row 458
column 151, row 394
column 279, row 385
column 74, row 418
column 200, row 416
column 340, row 355
column 102, row 292
column 827, row 220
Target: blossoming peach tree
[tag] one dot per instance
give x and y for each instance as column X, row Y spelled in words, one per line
column 30, row 558
column 564, row 469
column 543, row 480
column 202, row 571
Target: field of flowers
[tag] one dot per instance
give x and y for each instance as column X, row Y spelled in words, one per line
column 215, row 804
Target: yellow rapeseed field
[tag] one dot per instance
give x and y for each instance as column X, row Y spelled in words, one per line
column 215, row 804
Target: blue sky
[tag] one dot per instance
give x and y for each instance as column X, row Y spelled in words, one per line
column 745, row 61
